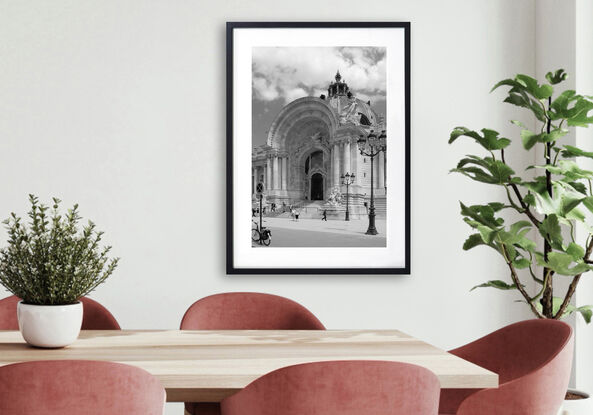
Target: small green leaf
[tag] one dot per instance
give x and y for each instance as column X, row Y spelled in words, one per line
column 529, row 139
column 571, row 151
column 501, row 285
column 521, row 263
column 556, row 77
column 551, row 231
column 472, row 241
column 575, row 251
column 586, row 312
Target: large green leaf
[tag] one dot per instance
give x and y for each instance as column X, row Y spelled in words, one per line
column 525, row 92
column 563, row 203
column 486, row 170
column 501, row 285
column 522, row 100
column 513, row 240
column 559, row 106
column 562, row 263
column 530, row 138
column 531, row 85
column 489, row 138
column 578, row 116
column 568, row 168
column 482, row 214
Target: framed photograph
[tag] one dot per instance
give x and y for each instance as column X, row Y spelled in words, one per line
column 318, row 148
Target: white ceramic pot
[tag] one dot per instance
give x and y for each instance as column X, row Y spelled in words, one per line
column 50, row 325
column 577, row 406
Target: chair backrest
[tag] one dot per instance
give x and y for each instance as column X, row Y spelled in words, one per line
column 339, row 388
column 518, row 349
column 533, row 359
column 8, row 318
column 248, row 311
column 541, row 351
column 73, row 387
column 95, row 316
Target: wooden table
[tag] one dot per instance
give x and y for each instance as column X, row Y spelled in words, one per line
column 207, row 366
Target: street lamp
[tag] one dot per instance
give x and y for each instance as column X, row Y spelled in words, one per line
column 347, row 180
column 371, row 146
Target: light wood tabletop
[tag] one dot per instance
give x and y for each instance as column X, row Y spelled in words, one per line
column 207, row 366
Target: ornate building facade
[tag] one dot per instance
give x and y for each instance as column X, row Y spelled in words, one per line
column 312, row 143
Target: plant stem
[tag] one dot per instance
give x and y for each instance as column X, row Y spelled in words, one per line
column 517, row 282
column 547, row 297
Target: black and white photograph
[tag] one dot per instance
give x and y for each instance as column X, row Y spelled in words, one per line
column 319, row 148
column 322, row 128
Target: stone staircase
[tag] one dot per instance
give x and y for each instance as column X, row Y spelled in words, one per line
column 380, row 206
column 310, row 209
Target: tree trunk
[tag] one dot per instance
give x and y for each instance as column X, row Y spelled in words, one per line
column 548, row 294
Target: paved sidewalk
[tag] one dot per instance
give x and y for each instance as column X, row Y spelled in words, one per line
column 317, row 233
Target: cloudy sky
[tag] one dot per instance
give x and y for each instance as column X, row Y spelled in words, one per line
column 283, row 74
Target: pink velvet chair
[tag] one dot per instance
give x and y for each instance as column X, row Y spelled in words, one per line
column 533, row 359
column 244, row 311
column 75, row 387
column 95, row 316
column 339, row 388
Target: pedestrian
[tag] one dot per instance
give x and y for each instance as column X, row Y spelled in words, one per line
column 297, row 215
column 293, row 214
column 324, row 215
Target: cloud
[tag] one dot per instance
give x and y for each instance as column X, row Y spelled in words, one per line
column 264, row 89
column 288, row 73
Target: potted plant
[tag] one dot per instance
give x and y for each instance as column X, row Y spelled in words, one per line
column 50, row 264
column 551, row 199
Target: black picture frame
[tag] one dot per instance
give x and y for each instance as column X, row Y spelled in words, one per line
column 231, row 269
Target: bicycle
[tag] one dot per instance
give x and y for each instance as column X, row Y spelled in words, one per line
column 261, row 236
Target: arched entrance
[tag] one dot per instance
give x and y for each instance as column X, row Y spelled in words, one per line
column 317, row 186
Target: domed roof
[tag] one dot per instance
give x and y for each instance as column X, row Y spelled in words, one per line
column 348, row 108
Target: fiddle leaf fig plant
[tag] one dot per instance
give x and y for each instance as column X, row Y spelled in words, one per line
column 51, row 260
column 552, row 197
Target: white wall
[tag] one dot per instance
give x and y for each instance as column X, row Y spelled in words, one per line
column 584, row 138
column 120, row 106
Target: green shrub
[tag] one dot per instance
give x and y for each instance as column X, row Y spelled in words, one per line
column 50, row 261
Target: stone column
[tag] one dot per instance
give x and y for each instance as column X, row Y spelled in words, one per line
column 331, row 166
column 347, row 165
column 354, row 159
column 377, row 164
column 385, row 171
column 284, row 173
column 336, row 164
column 275, row 175
column 381, row 177
column 268, row 174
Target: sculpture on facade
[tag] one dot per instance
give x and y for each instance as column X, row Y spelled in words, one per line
column 335, row 197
